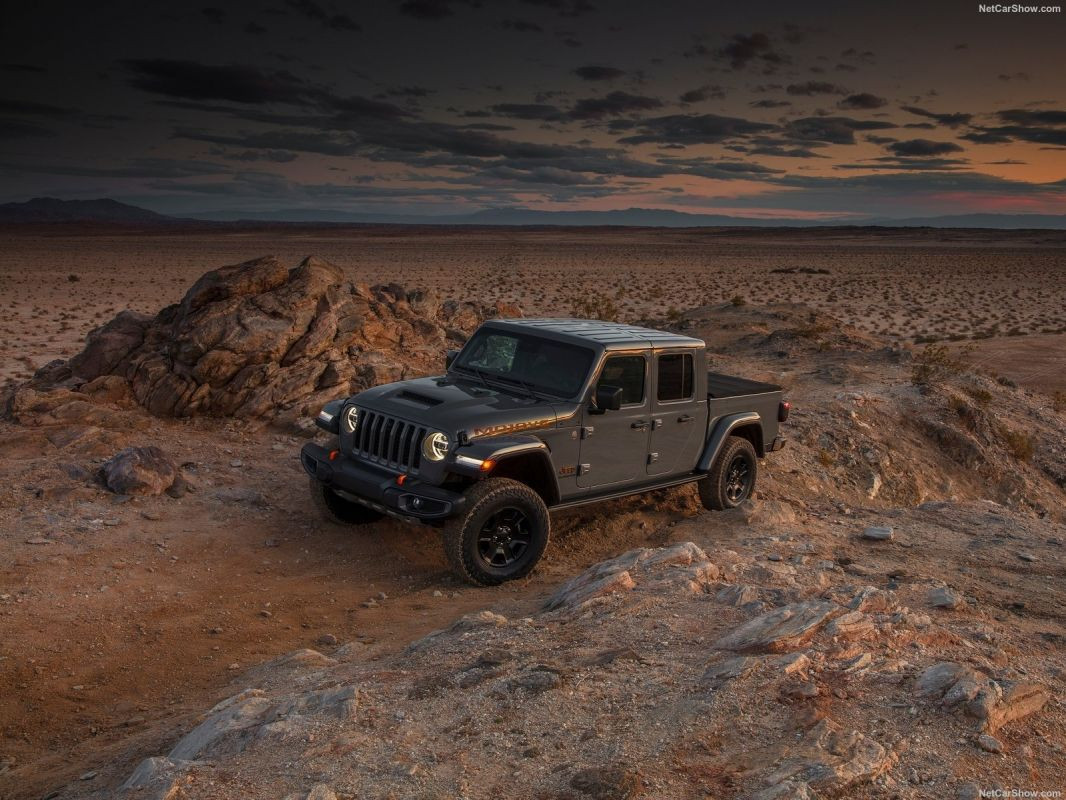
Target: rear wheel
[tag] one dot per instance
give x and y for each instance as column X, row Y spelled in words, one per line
column 336, row 508
column 731, row 480
column 501, row 535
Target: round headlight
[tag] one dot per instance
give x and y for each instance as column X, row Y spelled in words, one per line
column 435, row 446
column 350, row 419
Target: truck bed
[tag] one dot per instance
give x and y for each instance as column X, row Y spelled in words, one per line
column 719, row 386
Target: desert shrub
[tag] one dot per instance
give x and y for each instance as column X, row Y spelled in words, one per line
column 813, row 330
column 72, row 278
column 1003, row 380
column 595, row 306
column 1018, row 443
column 673, row 313
column 825, row 458
column 982, row 396
column 936, row 362
column 738, row 301
column 1058, row 401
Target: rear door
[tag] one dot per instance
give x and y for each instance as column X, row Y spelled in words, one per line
column 677, row 413
column 614, row 444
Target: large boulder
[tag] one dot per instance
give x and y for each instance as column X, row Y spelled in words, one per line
column 140, row 470
column 260, row 340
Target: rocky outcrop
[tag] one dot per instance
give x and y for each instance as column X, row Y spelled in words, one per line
column 260, row 340
column 991, row 703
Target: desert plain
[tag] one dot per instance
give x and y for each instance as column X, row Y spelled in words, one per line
column 931, row 663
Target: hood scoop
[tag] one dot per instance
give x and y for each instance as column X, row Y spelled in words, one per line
column 418, row 399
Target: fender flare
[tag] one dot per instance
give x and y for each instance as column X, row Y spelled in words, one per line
column 722, row 430
column 504, row 449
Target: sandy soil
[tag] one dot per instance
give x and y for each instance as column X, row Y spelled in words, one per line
column 58, row 283
column 122, row 619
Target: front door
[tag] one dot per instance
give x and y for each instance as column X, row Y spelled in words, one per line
column 676, row 415
column 614, row 444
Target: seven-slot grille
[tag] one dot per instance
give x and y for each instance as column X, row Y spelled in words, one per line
column 388, row 441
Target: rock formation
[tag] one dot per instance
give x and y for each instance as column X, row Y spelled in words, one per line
column 259, row 340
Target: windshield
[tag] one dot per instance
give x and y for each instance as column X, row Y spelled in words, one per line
column 543, row 365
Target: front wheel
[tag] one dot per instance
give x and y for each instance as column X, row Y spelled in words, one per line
column 336, row 508
column 500, row 536
column 731, row 480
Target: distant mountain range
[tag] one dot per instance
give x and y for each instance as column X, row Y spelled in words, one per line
column 51, row 209
column 105, row 210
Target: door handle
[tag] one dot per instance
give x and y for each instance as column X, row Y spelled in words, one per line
column 685, row 418
column 640, row 425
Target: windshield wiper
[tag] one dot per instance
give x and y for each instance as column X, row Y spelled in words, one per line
column 524, row 384
column 480, row 375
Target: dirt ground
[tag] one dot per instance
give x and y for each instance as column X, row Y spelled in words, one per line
column 59, row 282
column 122, row 619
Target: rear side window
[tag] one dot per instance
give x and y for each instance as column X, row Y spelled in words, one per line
column 626, row 372
column 675, row 377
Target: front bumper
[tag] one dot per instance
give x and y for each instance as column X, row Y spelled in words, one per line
column 377, row 488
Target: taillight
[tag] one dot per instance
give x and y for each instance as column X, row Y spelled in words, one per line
column 782, row 411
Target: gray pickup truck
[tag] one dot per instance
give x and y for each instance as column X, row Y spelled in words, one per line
column 535, row 415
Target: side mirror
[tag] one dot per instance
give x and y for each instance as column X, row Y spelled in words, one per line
column 607, row 398
column 449, row 357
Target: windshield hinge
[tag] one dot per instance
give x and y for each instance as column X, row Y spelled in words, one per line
column 587, row 431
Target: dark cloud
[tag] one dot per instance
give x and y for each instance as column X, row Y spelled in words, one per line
column 689, row 129
column 949, row 120
column 920, row 164
column 521, row 26
column 17, row 129
column 862, row 101
column 275, row 156
column 22, row 68
column 744, row 48
column 986, row 137
column 539, row 111
column 769, row 103
column 719, row 169
column 409, row 91
column 328, row 18
column 613, row 105
column 195, row 81
column 593, row 72
column 831, row 130
column 134, row 168
column 1022, row 116
column 1013, row 76
column 923, row 147
column 432, row 9
column 565, row 8
column 29, row 108
column 809, row 88
column 699, row 95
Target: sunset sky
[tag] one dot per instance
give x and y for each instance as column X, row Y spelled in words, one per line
column 823, row 110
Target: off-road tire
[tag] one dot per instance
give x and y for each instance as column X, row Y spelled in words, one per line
column 715, row 489
column 465, row 535
column 336, row 509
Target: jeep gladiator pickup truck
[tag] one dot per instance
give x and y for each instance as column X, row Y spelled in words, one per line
column 534, row 415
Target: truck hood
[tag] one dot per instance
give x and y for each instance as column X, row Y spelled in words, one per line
column 453, row 404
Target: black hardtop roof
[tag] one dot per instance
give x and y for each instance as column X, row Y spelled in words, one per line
column 608, row 335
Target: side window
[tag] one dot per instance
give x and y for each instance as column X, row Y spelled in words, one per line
column 628, row 373
column 675, row 377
